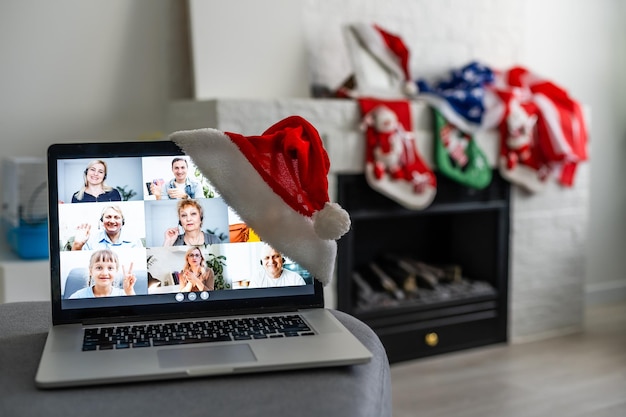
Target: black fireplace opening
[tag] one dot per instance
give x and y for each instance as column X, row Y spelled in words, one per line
column 427, row 281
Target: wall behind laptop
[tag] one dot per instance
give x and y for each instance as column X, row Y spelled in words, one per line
column 75, row 70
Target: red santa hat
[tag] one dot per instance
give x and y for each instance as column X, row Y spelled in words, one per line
column 389, row 49
column 278, row 184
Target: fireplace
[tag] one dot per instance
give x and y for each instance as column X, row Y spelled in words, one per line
column 427, row 281
column 548, row 248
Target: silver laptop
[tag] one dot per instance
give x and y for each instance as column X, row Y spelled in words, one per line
column 135, row 295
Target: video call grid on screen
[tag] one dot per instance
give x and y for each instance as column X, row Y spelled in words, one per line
column 145, row 222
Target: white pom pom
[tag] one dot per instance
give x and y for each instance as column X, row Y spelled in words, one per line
column 410, row 88
column 331, row 222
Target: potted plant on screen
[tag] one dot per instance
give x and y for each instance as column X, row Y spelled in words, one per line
column 217, row 264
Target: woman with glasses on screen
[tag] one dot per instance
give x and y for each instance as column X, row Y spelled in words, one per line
column 196, row 276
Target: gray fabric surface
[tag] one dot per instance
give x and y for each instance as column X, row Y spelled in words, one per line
column 362, row 390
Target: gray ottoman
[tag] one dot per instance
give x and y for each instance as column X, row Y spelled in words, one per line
column 361, row 390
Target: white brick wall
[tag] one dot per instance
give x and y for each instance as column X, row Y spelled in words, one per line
column 440, row 34
column 548, row 230
column 548, row 262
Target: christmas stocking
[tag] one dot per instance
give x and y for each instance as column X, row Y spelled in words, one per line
column 393, row 165
column 521, row 161
column 544, row 130
column 458, row 156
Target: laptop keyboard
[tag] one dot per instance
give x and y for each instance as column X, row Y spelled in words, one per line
column 201, row 331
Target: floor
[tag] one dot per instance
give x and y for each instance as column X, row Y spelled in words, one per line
column 576, row 375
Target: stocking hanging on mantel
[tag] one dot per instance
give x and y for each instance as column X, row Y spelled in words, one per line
column 543, row 132
column 465, row 98
column 381, row 63
column 393, row 166
column 521, row 161
column 458, row 156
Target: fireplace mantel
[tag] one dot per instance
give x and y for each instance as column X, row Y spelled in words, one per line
column 337, row 121
column 548, row 230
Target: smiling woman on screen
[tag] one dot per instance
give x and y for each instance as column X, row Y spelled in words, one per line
column 94, row 188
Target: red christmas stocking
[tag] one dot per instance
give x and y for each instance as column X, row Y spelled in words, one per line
column 544, row 131
column 393, row 165
column 521, row 161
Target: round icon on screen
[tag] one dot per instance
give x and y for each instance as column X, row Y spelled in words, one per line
column 204, row 295
column 192, row 296
column 180, row 297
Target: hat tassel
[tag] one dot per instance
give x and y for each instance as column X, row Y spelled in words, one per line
column 331, row 222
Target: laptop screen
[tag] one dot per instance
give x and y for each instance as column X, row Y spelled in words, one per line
column 136, row 229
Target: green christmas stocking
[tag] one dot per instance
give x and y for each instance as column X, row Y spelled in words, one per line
column 458, row 157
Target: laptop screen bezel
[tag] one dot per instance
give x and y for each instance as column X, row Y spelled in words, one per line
column 62, row 151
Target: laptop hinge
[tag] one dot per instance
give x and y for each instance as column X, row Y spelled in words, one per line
column 186, row 316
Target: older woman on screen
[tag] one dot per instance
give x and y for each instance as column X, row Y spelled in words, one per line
column 190, row 217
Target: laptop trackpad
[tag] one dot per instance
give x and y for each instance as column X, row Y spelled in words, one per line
column 208, row 355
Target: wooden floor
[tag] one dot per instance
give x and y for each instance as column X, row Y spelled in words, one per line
column 574, row 376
